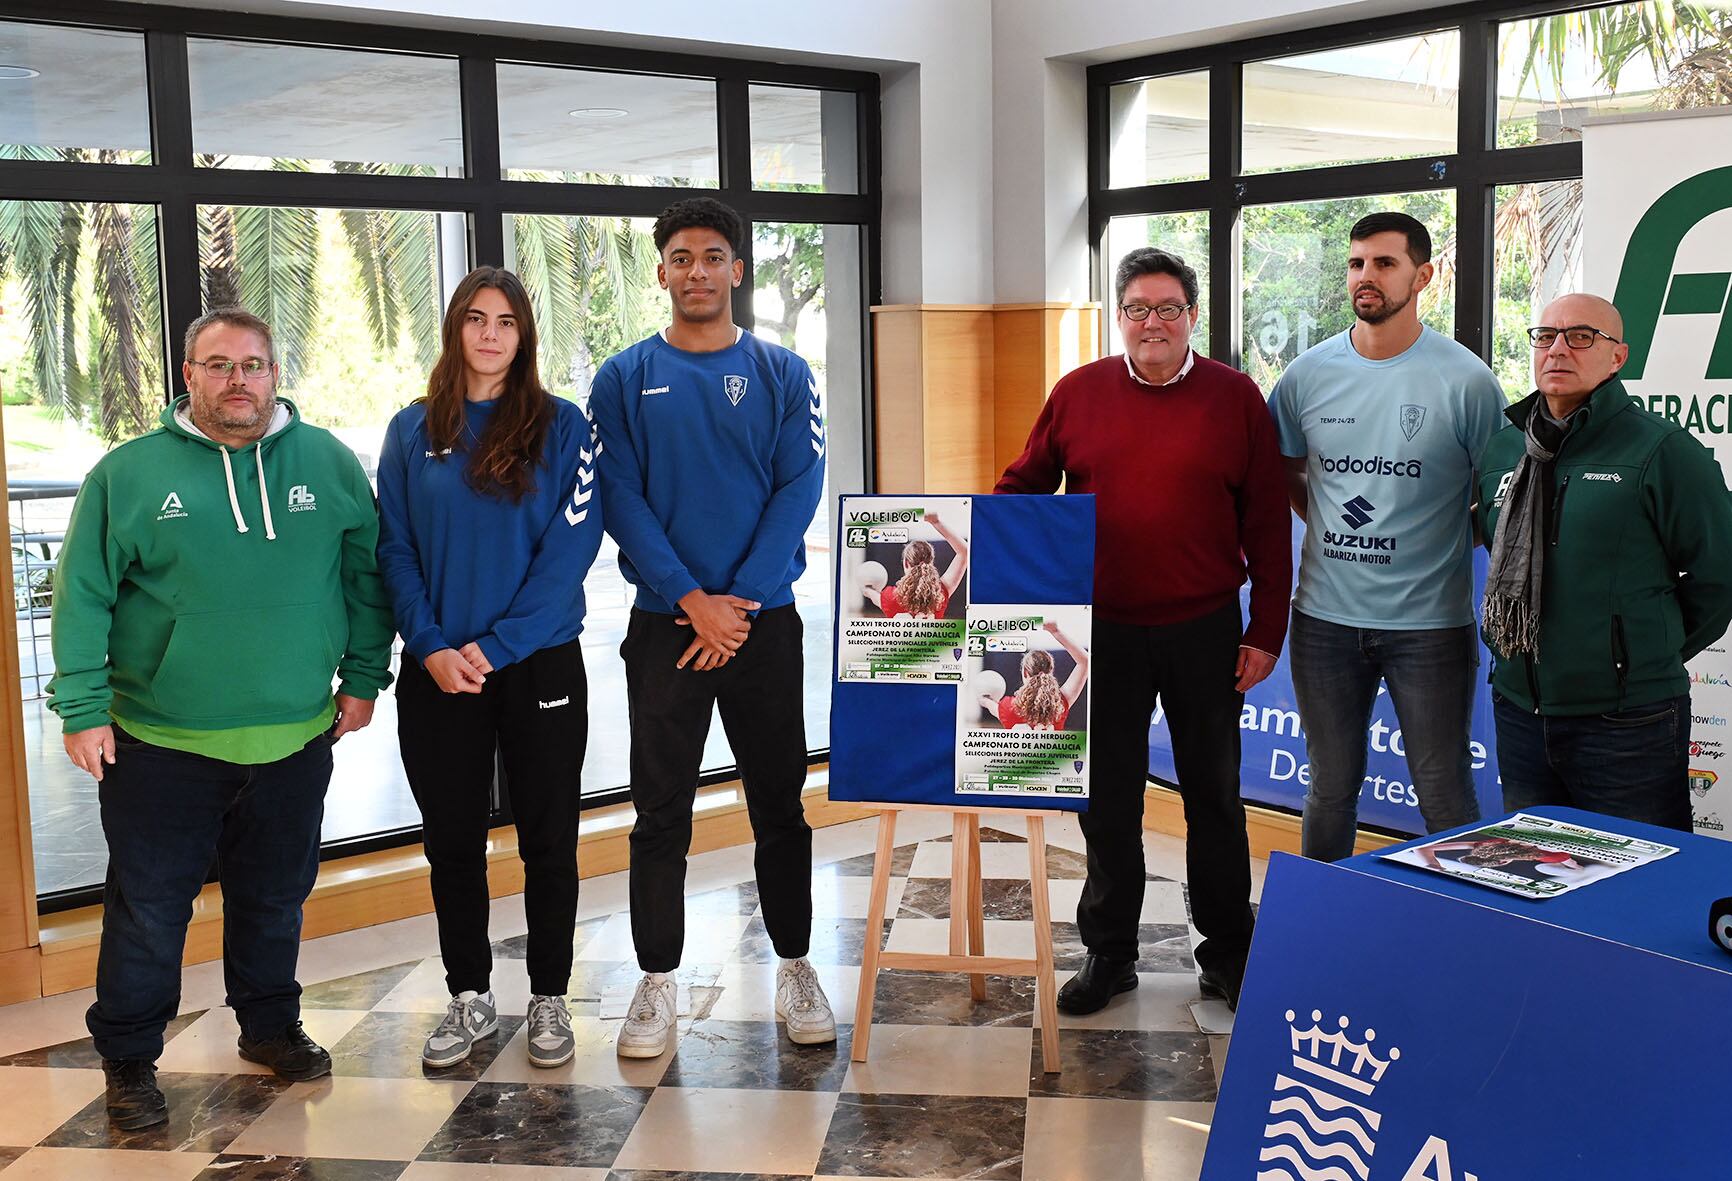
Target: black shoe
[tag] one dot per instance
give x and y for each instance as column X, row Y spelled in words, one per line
column 1222, row 986
column 291, row 1054
column 1096, row 983
column 133, row 1098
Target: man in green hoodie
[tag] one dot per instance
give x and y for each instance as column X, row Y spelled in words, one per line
column 1611, row 565
column 218, row 572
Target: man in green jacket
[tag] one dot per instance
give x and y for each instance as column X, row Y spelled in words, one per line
column 1611, row 565
column 217, row 573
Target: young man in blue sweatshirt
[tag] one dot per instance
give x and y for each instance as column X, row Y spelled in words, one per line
column 712, row 464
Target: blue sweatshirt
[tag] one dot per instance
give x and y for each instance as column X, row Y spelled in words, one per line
column 712, row 467
column 464, row 566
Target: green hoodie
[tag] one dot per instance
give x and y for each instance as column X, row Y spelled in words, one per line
column 205, row 589
column 1637, row 576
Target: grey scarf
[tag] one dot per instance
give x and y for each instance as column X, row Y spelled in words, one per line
column 1511, row 616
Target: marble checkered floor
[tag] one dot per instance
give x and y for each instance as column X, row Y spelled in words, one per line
column 953, row 1089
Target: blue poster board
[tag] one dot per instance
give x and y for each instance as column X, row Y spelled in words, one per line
column 1398, row 1025
column 896, row 743
column 1273, row 765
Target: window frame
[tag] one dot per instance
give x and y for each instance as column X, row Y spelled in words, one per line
column 176, row 188
column 1474, row 170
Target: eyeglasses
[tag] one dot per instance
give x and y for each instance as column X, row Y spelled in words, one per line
column 1166, row 311
column 1577, row 336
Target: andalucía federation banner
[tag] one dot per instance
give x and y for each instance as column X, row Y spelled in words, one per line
column 1657, row 240
column 962, row 651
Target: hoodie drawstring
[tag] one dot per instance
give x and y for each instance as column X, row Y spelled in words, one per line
column 229, row 471
column 264, row 495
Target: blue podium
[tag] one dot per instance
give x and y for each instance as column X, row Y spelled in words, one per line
column 1397, row 1025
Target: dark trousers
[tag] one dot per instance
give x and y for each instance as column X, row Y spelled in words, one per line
column 1190, row 667
column 167, row 815
column 535, row 713
column 760, row 695
column 1632, row 763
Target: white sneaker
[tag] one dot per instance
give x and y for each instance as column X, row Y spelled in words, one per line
column 551, row 1041
column 648, row 1031
column 801, row 1003
column 468, row 1018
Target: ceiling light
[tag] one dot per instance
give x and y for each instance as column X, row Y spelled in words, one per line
column 599, row 113
column 18, row 73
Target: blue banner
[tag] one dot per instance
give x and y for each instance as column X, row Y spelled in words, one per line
column 1273, row 765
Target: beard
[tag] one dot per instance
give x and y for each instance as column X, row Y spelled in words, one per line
column 1384, row 309
column 254, row 418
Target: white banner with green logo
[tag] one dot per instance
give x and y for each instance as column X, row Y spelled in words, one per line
column 1657, row 240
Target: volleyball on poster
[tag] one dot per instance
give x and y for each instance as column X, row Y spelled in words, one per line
column 1022, row 714
column 903, row 592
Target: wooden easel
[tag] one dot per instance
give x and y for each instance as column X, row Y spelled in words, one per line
column 967, row 922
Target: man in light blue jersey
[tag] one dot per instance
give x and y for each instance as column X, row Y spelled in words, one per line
column 712, row 464
column 1382, row 427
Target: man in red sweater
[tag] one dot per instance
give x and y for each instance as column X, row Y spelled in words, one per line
column 1181, row 456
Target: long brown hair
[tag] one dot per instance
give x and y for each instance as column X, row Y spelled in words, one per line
column 504, row 458
column 1040, row 699
column 919, row 588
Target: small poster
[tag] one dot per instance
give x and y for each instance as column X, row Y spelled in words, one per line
column 1533, row 856
column 1022, row 716
column 903, row 588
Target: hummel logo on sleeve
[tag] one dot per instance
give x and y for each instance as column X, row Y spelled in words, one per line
column 660, row 389
column 817, row 418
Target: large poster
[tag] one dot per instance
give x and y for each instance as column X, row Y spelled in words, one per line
column 962, row 650
column 1657, row 239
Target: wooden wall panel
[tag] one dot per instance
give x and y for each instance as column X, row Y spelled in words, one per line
column 17, row 865
column 958, row 378
column 898, row 411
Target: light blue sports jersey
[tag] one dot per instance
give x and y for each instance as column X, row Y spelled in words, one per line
column 1390, row 449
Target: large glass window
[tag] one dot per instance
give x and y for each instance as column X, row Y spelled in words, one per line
column 1295, row 273
column 1183, row 234
column 1554, row 72
column 603, row 128
column 301, row 109
column 351, row 260
column 1158, row 130
column 1385, row 101
column 805, row 140
column 72, row 94
column 81, row 357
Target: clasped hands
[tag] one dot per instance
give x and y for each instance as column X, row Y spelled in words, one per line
column 722, row 623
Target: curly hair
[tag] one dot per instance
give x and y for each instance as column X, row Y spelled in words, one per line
column 700, row 213
column 1040, row 699
column 919, row 588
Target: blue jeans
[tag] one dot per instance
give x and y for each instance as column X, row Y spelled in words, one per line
column 167, row 816
column 1430, row 674
column 1631, row 763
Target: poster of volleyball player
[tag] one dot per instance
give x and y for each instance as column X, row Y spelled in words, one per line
column 1022, row 714
column 903, row 586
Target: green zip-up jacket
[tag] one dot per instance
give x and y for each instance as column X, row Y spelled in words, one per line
column 1637, row 575
column 213, row 589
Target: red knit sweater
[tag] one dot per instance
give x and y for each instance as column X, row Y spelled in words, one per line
column 1190, row 495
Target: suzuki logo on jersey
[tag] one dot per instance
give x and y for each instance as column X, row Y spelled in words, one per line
column 735, row 387
column 170, row 508
column 301, row 499
column 1358, row 512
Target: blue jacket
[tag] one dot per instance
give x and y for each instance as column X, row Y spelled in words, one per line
column 712, row 467
column 465, row 566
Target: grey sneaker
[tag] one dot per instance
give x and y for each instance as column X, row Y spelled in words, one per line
column 468, row 1018
column 550, row 1038
column 649, row 1025
column 800, row 1002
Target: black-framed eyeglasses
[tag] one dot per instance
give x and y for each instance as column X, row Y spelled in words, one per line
column 250, row 368
column 1166, row 311
column 1577, row 336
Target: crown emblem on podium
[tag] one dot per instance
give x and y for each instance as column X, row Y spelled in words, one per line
column 1336, row 1056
